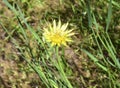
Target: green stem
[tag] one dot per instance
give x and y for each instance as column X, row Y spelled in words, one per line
column 62, row 73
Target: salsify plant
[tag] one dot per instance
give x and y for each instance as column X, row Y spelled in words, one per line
column 58, row 35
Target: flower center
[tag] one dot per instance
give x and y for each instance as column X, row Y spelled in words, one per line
column 57, row 38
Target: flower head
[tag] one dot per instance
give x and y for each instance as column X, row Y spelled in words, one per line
column 57, row 34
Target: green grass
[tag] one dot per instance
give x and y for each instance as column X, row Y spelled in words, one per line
column 94, row 61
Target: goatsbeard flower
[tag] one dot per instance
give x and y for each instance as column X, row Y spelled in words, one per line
column 57, row 34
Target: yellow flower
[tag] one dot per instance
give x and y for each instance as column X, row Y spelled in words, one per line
column 57, row 34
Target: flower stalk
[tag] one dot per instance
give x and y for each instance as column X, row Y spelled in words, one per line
column 61, row 70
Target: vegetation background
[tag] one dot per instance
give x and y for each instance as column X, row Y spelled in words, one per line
column 91, row 61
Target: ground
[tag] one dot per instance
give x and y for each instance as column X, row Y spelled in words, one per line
column 15, row 72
